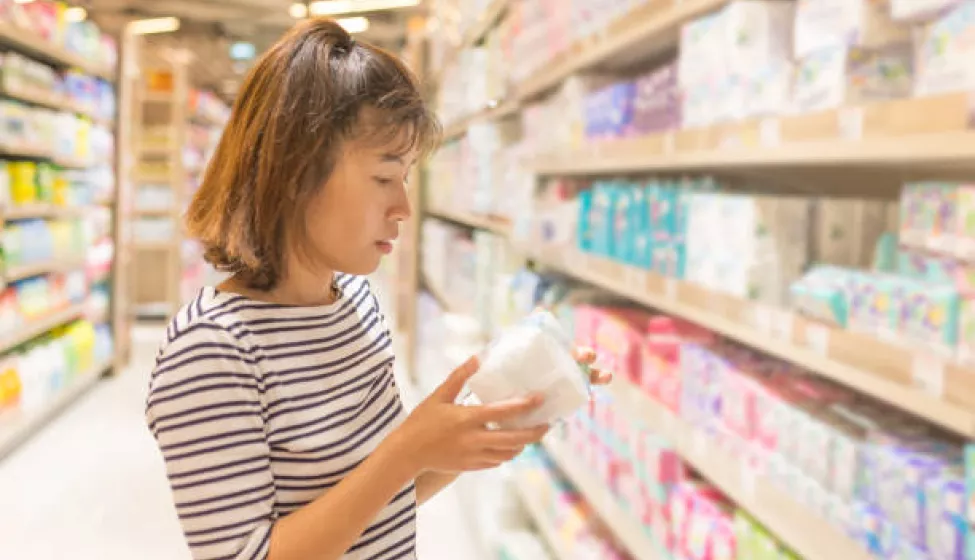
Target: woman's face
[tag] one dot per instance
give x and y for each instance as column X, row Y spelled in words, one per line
column 353, row 220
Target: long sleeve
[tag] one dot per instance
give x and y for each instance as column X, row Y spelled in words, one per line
column 205, row 410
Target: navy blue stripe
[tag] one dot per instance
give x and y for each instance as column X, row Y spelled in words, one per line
column 391, row 413
column 157, row 390
column 215, row 449
column 230, row 527
column 374, row 349
column 263, row 498
column 263, row 548
column 372, row 540
column 155, row 424
column 331, row 421
column 197, row 503
column 222, row 478
column 268, row 410
column 353, row 333
column 333, row 477
column 219, row 436
column 408, row 552
column 393, row 547
column 204, row 420
column 204, row 389
column 211, row 542
column 218, row 467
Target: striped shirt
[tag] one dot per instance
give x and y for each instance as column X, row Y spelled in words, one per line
column 260, row 408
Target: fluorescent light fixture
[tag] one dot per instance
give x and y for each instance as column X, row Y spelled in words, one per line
column 242, row 50
column 354, row 24
column 75, row 14
column 336, row 7
column 153, row 25
column 298, row 10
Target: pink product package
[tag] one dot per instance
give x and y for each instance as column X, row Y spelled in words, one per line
column 618, row 337
column 656, row 102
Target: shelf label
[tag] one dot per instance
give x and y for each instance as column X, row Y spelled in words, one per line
column 851, row 123
column 670, row 288
column 783, row 323
column 928, row 371
column 669, row 142
column 762, row 318
column 770, row 133
column 817, row 338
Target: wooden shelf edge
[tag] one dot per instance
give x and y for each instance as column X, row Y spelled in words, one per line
column 37, row 328
column 663, row 294
column 24, row 40
column 17, row 427
column 627, row 530
column 468, row 219
column 22, row 272
column 804, row 531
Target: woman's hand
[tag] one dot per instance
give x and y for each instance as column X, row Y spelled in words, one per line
column 440, row 435
column 587, row 357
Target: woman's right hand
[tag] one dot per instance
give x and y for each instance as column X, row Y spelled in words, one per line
column 440, row 435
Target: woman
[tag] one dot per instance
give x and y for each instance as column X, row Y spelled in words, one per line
column 273, row 400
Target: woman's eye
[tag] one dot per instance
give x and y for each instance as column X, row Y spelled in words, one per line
column 383, row 180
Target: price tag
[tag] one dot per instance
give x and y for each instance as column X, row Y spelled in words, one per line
column 817, row 338
column 851, row 123
column 670, row 288
column 928, row 371
column 770, row 133
column 669, row 144
column 783, row 323
column 747, row 477
column 762, row 318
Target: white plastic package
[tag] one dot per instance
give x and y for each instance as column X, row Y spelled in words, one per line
column 532, row 356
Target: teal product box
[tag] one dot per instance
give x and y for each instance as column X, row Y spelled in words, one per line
column 663, row 211
column 639, row 223
column 926, row 267
column 670, row 258
column 603, row 204
column 928, row 313
column 822, row 294
column 624, row 224
column 871, row 303
column 584, row 233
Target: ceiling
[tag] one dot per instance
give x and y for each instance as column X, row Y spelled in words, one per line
column 209, row 27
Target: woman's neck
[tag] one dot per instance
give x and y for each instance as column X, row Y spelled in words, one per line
column 298, row 286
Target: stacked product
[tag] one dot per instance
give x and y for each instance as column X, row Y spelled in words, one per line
column 34, row 374
column 577, row 526
column 35, row 241
column 53, row 133
column 24, row 183
column 46, row 21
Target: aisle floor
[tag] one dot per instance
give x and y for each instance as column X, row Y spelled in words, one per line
column 91, row 485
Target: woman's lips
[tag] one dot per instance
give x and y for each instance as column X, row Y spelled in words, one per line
column 385, row 247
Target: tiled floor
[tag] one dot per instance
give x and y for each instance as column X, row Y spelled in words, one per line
column 91, row 486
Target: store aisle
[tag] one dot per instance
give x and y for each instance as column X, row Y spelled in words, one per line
column 91, row 486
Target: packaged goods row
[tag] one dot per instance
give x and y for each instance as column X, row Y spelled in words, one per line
column 90, row 95
column 35, row 374
column 54, row 134
column 25, row 183
column 47, row 21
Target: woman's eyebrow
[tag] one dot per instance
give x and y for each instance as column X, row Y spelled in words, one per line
column 392, row 158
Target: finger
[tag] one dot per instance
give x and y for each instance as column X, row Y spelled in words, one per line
column 584, row 355
column 505, row 410
column 513, row 439
column 454, row 384
column 600, row 377
column 499, row 456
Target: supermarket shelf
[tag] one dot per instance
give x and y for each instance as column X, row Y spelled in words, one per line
column 28, row 270
column 153, row 212
column 158, row 96
column 73, row 163
column 908, row 378
column 39, row 327
column 17, row 426
column 543, row 521
column 484, row 23
column 39, row 48
column 37, row 211
column 494, row 225
column 628, row 531
column 154, row 246
column 51, row 100
column 808, row 534
column 903, row 134
column 153, row 179
column 495, row 111
column 31, row 152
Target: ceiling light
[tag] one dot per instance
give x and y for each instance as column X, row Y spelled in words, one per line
column 298, row 10
column 336, row 7
column 354, row 24
column 153, row 25
column 75, row 14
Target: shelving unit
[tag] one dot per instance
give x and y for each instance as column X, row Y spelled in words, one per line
column 865, row 149
column 541, row 518
column 94, row 205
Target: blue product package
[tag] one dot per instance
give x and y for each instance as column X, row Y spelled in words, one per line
column 638, row 221
column 604, row 204
column 622, row 248
column 584, row 225
column 946, row 527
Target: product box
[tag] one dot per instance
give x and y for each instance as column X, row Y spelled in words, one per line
column 847, row 231
column 964, row 238
column 946, row 51
column 945, row 525
column 839, row 23
column 927, row 314
column 609, row 111
column 838, row 75
column 822, row 294
column 656, row 102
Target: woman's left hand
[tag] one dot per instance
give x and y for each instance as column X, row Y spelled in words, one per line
column 587, row 356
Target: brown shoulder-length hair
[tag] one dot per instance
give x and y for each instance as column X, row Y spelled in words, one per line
column 300, row 101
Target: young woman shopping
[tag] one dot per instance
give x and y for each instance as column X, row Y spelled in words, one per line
column 273, row 400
